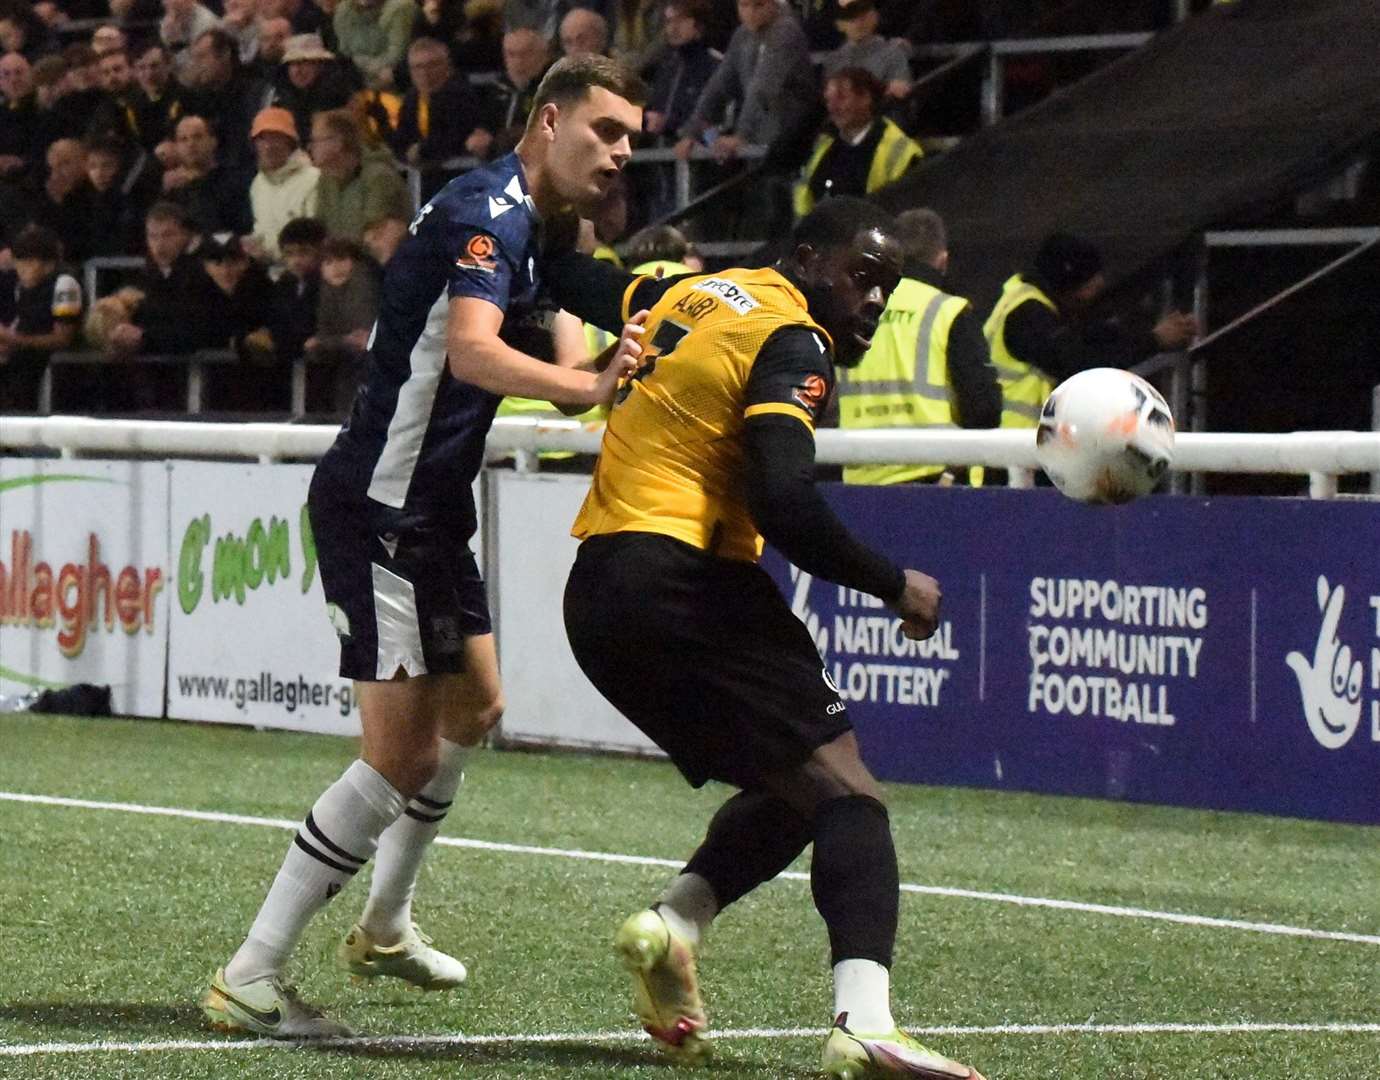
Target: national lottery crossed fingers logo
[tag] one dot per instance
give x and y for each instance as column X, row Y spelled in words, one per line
column 1331, row 680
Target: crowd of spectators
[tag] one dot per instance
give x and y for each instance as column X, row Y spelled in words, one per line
column 251, row 152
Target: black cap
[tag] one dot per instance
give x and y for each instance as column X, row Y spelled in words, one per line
column 1065, row 261
column 216, row 247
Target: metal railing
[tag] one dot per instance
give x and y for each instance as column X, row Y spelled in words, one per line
column 196, row 365
column 1187, row 370
column 996, row 52
column 1375, row 426
column 641, row 158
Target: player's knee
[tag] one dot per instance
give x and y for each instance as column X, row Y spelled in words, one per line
column 469, row 726
column 410, row 771
column 487, row 718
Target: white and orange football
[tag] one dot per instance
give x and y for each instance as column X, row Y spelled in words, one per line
column 1105, row 436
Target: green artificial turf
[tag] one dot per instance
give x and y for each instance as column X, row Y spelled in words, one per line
column 111, row 923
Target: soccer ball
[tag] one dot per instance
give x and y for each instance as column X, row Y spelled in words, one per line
column 1105, row 436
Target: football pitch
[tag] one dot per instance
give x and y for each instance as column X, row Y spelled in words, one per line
column 1040, row 937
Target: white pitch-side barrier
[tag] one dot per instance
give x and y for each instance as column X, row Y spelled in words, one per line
column 1320, row 455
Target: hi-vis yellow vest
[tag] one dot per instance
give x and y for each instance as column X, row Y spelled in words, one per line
column 890, row 160
column 903, row 381
column 672, row 456
column 1024, row 387
column 660, row 268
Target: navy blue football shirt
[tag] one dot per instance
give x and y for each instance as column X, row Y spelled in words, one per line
column 414, row 441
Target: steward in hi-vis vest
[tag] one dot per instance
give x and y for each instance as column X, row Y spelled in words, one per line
column 859, row 152
column 1024, row 386
column 1039, row 333
column 927, row 366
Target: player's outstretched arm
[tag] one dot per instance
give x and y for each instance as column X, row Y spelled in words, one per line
column 626, row 350
column 476, row 355
column 789, row 383
column 597, row 291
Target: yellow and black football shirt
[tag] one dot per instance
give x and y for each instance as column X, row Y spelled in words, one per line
column 718, row 349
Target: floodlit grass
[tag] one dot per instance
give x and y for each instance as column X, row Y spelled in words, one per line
column 111, row 922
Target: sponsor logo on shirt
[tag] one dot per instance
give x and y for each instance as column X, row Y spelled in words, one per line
column 811, row 392
column 478, row 255
column 735, row 296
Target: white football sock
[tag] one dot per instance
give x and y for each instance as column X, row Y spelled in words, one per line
column 862, row 989
column 337, row 838
column 388, row 912
column 688, row 906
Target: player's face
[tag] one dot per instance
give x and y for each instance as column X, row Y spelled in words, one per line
column 589, row 145
column 848, row 287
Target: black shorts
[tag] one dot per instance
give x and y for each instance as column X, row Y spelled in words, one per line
column 702, row 654
column 403, row 599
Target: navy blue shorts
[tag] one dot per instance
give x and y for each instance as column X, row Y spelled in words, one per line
column 401, row 599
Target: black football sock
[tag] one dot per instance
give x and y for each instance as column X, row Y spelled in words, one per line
column 752, row 838
column 854, row 879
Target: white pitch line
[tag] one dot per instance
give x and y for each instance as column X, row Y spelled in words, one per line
column 406, row 1042
column 1115, row 911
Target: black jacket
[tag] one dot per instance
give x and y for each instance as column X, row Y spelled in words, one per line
column 218, row 201
column 1061, row 346
column 173, row 314
column 453, row 112
column 679, row 80
column 292, row 315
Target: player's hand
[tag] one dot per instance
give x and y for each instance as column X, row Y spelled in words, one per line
column 684, row 148
column 918, row 605
column 627, row 356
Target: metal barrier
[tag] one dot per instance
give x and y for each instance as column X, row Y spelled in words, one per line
column 92, row 268
column 993, row 94
column 196, row 364
column 1188, row 369
column 1375, row 426
column 656, row 155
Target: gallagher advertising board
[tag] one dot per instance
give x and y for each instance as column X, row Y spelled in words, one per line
column 83, row 576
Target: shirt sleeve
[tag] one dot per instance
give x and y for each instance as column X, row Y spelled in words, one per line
column 599, row 292
column 789, row 385
column 792, row 376
column 66, row 298
column 478, row 264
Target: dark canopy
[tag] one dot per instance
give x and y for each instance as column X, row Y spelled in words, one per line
column 1229, row 113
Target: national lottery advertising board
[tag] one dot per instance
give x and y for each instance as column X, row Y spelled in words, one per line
column 1216, row 653
column 84, row 578
column 251, row 639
